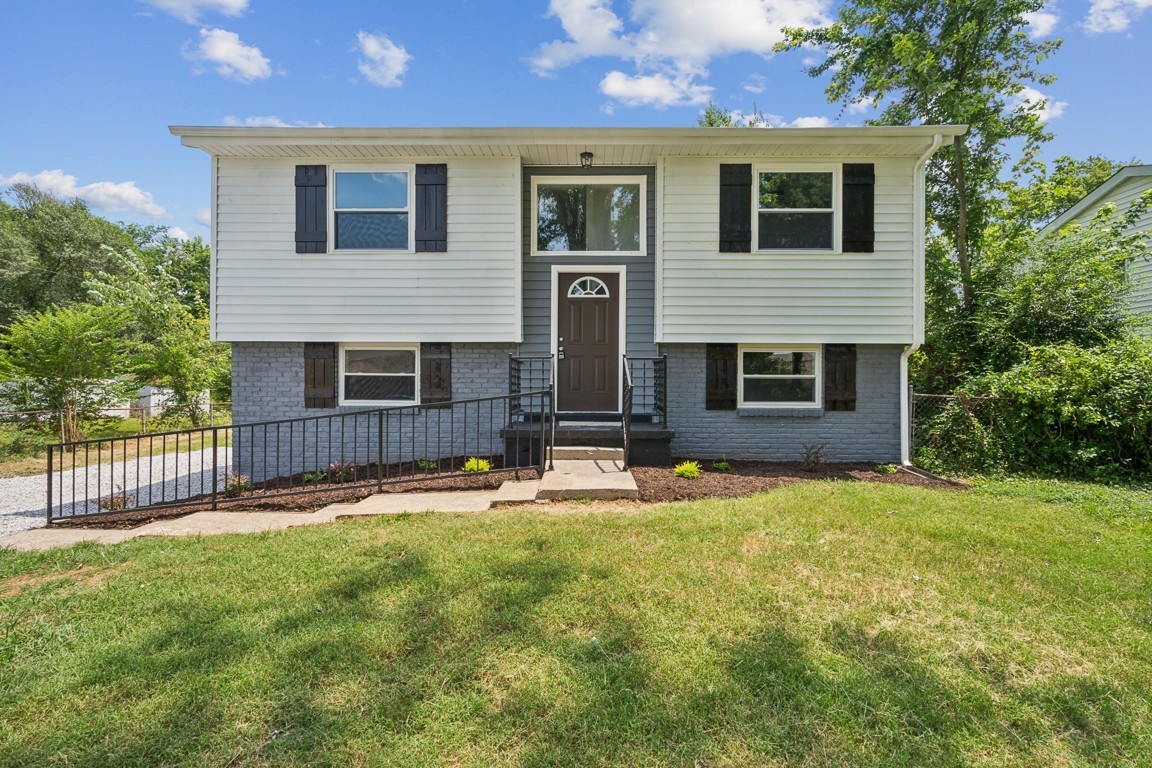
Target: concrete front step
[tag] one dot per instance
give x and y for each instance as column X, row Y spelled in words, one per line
column 586, row 453
column 588, row 479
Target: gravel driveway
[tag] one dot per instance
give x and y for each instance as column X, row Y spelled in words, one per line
column 23, row 502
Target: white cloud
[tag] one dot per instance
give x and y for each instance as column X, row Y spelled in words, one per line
column 810, row 122
column 754, row 84
column 1041, row 23
column 1114, row 15
column 190, row 10
column 861, row 105
column 176, row 233
column 1046, row 108
column 108, row 196
column 384, row 63
column 232, row 58
column 267, row 121
column 203, row 216
column 670, row 42
column 660, row 91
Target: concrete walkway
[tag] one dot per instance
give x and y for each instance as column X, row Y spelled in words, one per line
column 586, row 479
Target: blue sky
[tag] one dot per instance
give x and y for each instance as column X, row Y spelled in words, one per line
column 89, row 88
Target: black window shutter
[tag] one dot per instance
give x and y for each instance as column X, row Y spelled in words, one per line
column 432, row 208
column 839, row 377
column 319, row 375
column 735, row 208
column 435, row 373
column 311, row 209
column 859, row 196
column 720, row 377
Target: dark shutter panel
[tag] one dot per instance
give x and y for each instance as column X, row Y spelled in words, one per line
column 735, row 208
column 311, row 209
column 839, row 377
column 431, row 208
column 435, row 373
column 859, row 229
column 720, row 377
column 319, row 375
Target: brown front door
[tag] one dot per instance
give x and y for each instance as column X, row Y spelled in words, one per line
column 588, row 341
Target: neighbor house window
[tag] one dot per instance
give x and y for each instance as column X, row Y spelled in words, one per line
column 371, row 210
column 379, row 375
column 574, row 215
column 796, row 210
column 773, row 377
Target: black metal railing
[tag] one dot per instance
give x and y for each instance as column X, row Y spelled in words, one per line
column 649, row 377
column 211, row 466
column 626, row 409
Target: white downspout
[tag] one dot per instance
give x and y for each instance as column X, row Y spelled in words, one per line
column 918, row 219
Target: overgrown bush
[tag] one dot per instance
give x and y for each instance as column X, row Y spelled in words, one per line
column 1065, row 411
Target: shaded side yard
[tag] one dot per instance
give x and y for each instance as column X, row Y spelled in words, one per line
column 822, row 623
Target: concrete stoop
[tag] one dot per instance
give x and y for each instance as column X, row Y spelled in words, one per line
column 583, row 478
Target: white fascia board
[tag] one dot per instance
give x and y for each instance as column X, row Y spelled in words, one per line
column 1097, row 196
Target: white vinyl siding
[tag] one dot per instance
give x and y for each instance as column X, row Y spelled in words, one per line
column 786, row 297
column 1140, row 272
column 265, row 291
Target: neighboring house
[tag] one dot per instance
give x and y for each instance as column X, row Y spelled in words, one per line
column 781, row 271
column 1123, row 188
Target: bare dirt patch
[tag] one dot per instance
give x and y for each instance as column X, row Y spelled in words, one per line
column 80, row 576
column 658, row 484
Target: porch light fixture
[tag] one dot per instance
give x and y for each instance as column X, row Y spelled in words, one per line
column 585, row 160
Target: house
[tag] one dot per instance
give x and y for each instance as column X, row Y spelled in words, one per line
column 767, row 284
column 1123, row 188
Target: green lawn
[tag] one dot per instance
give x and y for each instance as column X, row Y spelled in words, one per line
column 820, row 624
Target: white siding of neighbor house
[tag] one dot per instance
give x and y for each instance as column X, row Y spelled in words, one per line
column 265, row 291
column 1140, row 272
column 707, row 296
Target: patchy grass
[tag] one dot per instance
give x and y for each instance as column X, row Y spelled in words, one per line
column 817, row 624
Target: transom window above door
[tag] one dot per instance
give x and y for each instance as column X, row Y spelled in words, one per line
column 578, row 215
column 588, row 287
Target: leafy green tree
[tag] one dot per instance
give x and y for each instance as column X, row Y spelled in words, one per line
column 943, row 62
column 72, row 358
column 47, row 246
column 188, row 262
column 169, row 342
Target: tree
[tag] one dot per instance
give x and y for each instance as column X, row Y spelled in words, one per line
column 73, row 359
column 166, row 329
column 943, row 62
column 47, row 246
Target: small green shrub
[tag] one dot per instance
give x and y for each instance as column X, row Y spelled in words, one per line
column 887, row 469
column 428, row 465
column 721, row 466
column 236, row 484
column 474, row 464
column 315, row 477
column 814, row 456
column 689, row 470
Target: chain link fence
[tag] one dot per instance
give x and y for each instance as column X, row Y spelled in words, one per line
column 957, row 433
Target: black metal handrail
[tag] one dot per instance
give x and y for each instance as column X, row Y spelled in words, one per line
column 261, row 460
column 650, row 386
column 626, row 409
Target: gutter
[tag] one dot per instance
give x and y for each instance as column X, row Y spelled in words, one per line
column 918, row 247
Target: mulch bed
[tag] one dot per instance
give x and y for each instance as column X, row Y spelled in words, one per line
column 658, row 484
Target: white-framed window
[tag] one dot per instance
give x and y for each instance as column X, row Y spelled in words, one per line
column 379, row 374
column 372, row 209
column 777, row 376
column 592, row 215
column 796, row 208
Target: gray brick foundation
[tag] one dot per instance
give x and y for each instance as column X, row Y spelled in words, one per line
column 870, row 433
column 268, row 385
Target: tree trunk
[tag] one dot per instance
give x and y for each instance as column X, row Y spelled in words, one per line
column 962, row 224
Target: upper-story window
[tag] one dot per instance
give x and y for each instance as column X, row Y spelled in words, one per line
column 795, row 210
column 605, row 215
column 371, row 210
